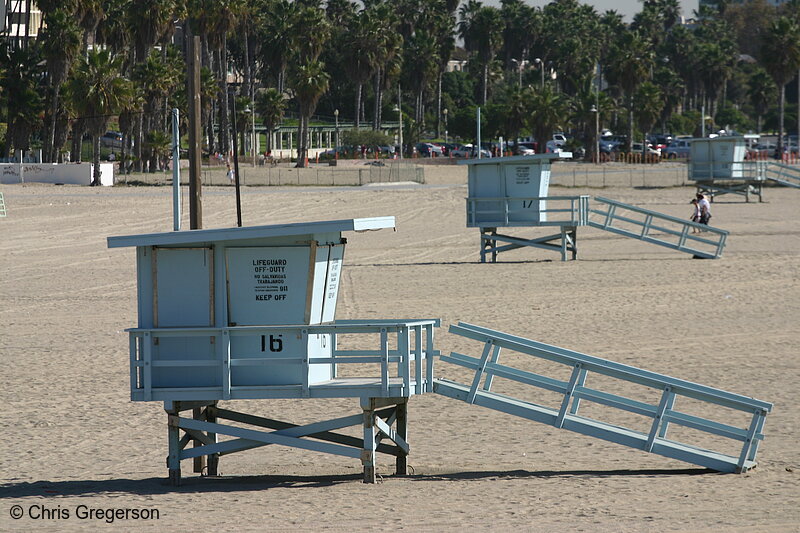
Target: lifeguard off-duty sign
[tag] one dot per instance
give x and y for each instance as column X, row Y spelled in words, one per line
column 276, row 282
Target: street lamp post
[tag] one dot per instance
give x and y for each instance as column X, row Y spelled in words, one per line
column 252, row 141
column 596, row 112
column 336, row 117
column 445, row 123
column 519, row 71
column 540, row 63
column 399, row 109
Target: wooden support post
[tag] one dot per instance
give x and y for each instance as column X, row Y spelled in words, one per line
column 198, row 463
column 213, row 459
column 401, row 461
column 370, row 444
column 174, row 458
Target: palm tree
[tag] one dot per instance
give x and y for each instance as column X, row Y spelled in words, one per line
column 482, row 33
column 275, row 31
column 158, row 79
column 648, row 104
column 19, row 83
column 98, row 92
column 630, row 61
column 61, row 41
column 548, row 112
column 761, row 92
column 310, row 81
column 516, row 111
column 780, row 53
column 271, row 105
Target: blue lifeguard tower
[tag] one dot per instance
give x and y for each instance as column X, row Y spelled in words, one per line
column 512, row 192
column 248, row 313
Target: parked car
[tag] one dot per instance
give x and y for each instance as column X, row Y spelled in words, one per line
column 111, row 139
column 678, row 148
column 429, row 150
column 526, row 149
column 559, row 139
column 638, row 148
column 468, row 150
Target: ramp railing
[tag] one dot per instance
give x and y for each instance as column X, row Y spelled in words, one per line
column 2, row 205
column 567, row 412
column 657, row 228
column 783, row 174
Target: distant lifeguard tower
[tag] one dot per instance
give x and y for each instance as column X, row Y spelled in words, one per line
column 717, row 166
column 512, row 192
column 248, row 313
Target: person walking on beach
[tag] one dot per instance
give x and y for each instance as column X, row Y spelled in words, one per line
column 230, row 174
column 695, row 214
column 705, row 209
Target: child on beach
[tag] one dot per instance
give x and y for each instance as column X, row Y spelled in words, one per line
column 695, row 214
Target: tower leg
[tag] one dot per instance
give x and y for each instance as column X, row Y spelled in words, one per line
column 173, row 459
column 401, row 415
column 199, row 463
column 370, row 444
column 213, row 459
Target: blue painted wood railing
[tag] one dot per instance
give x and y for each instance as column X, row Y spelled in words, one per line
column 567, row 413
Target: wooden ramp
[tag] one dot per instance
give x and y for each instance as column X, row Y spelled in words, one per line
column 574, row 394
column 784, row 174
column 656, row 228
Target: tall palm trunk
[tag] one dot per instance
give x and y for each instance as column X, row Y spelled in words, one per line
column 358, row 105
column 376, row 108
column 485, row 83
column 781, row 110
column 95, row 159
column 50, row 152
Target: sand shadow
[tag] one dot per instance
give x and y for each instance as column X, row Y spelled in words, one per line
column 199, row 484
column 446, row 263
column 160, row 485
column 519, row 474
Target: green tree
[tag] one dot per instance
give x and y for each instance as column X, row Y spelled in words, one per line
column 630, row 61
column 481, row 28
column 309, row 82
column 18, row 79
column 549, row 110
column 61, row 41
column 98, row 92
column 270, row 105
column 761, row 92
column 648, row 104
column 780, row 53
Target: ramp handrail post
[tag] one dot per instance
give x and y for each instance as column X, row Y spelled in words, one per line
column 648, row 219
column 429, row 355
column 759, row 429
column 487, row 384
column 576, row 400
column 473, row 391
column 570, row 390
column 609, row 215
column 662, row 431
column 418, row 359
column 658, row 416
column 750, row 439
column 404, row 343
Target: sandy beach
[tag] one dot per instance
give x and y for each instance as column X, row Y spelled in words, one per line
column 71, row 436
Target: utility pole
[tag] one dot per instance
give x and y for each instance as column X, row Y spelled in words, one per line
column 195, row 155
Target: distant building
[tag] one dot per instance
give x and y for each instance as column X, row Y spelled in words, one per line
column 19, row 26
